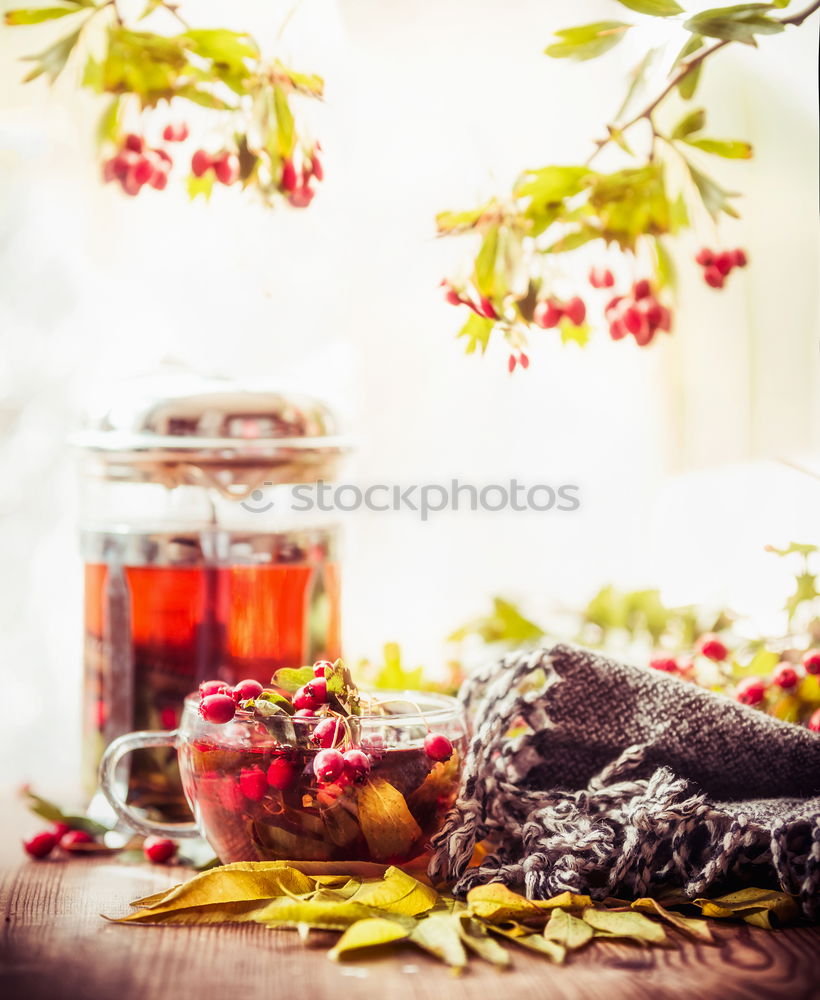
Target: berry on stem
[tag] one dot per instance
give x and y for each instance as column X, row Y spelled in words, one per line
column 328, row 765
column 751, row 691
column 40, row 845
column 666, row 664
column 328, row 732
column 226, row 168
column 601, row 278
column 200, row 163
column 785, row 676
column 814, row 721
column 213, row 687
column 547, row 314
column 158, row 850
column 710, row 646
column 437, row 746
column 135, row 143
column 575, row 311
column 246, row 690
column 704, row 257
column 357, row 764
column 217, row 708
column 321, row 668
column 713, row 277
column 288, row 180
column 811, row 661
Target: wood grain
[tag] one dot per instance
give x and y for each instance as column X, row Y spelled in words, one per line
column 55, row 945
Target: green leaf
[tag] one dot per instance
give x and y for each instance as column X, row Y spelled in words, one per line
column 572, row 334
column 387, row 824
column 587, row 40
column 567, row 930
column 108, row 128
column 368, row 933
column 740, row 23
column 485, row 263
column 394, row 676
column 269, row 702
column 37, row 15
column 550, row 185
column 795, row 548
column 341, row 690
column 637, row 76
column 52, row 61
column 689, row 124
column 439, row 935
column 731, row 149
column 290, row 679
column 459, row 222
column 54, row 814
column 477, row 330
column 665, row 271
column 630, row 925
column 285, row 125
column 204, row 98
column 228, row 48
column 715, row 198
column 309, row 84
column 505, row 624
column 657, row 8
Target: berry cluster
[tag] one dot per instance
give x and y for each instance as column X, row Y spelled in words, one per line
column 551, row 311
column 718, row 265
column 479, row 304
column 336, row 761
column 135, row 164
column 224, row 164
column 297, row 183
column 753, row 691
column 72, row 840
column 637, row 312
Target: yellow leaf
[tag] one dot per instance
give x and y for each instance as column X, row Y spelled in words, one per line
column 368, row 933
column 398, row 892
column 439, row 935
column 784, row 913
column 748, row 901
column 387, row 824
column 568, row 930
column 535, row 942
column 627, row 925
column 692, row 926
column 497, row 903
column 284, row 912
column 477, row 938
column 216, row 913
column 566, row 901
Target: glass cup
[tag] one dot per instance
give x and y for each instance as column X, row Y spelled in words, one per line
column 254, row 795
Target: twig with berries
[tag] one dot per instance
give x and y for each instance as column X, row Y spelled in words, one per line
column 248, row 97
column 516, row 284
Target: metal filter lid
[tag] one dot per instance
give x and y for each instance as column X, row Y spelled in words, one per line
column 211, row 431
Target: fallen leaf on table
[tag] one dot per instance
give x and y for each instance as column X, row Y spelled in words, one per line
column 628, row 924
column 567, row 930
column 566, row 901
column 477, row 938
column 398, row 892
column 335, row 915
column 779, row 907
column 240, row 882
column 208, row 913
column 368, row 933
column 387, row 824
column 497, row 903
column 693, row 926
column 439, row 935
column 535, row 942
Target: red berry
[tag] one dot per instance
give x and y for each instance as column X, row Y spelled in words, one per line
column 785, row 676
column 617, row 330
column 437, row 746
column 312, row 695
column 645, row 335
column 486, row 308
column 168, row 718
column 175, row 133
column 328, row 765
column 213, row 687
column 246, row 690
column 634, row 320
column 316, row 167
column 130, row 184
column 159, row 180
column 357, row 764
column 547, row 314
column 200, row 163
column 41, row 844
column 711, row 646
column 651, row 308
column 704, row 257
column 301, row 197
column 282, row 773
column 724, row 262
column 511, row 363
column 163, row 155
column 613, row 304
column 665, row 320
column 739, row 258
column 601, row 278
column 110, row 172
column 811, row 661
column 328, row 732
column 75, row 838
column 575, row 311
column 713, row 277
column 452, row 296
column 226, row 168
column 304, row 713
column 142, row 170
column 134, row 142
column 253, row 782
column 751, row 691
column 288, row 180
column 217, row 708
column 321, row 668
column 641, row 289
column 157, row 850
column 523, row 360
column 665, row 663
column 814, row 721
column 122, row 161
column 60, row 829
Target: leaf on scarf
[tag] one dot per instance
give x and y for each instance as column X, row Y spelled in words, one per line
column 387, row 824
column 477, row 938
column 567, row 930
column 692, row 926
column 496, row 903
column 750, row 902
column 368, row 933
column 236, row 883
column 439, row 934
column 399, row 893
column 333, row 916
column 565, row 901
column 534, row 942
column 627, row 924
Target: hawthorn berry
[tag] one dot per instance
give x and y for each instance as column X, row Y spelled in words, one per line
column 321, row 668
column 451, row 295
column 253, row 782
column 282, row 773
column 751, row 691
column 710, row 646
column 213, row 687
column 601, row 278
column 75, row 838
column 200, row 163
column 135, row 143
column 666, row 664
column 312, row 695
column 486, row 308
column 175, row 133
column 246, row 690
column 575, row 311
column 60, row 829
column 739, row 258
column 316, row 168
column 158, row 850
column 548, row 314
column 226, row 168
column 304, row 713
column 357, row 764
column 641, row 289
column 704, row 257
column 811, row 661
column 301, row 197
column 724, row 262
column 328, row 765
column 785, row 676
column 437, row 746
column 814, row 721
column 217, row 708
column 40, row 845
column 713, row 277
column 328, row 732
column 288, row 181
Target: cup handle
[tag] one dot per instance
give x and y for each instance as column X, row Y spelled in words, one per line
column 114, row 753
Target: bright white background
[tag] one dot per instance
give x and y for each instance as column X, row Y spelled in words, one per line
column 429, row 106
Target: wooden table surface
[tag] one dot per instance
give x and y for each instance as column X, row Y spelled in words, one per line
column 56, row 945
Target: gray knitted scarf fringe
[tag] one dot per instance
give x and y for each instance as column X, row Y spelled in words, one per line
column 622, row 781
